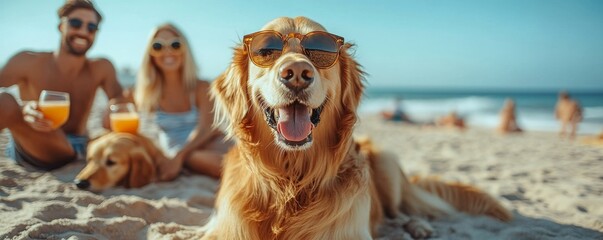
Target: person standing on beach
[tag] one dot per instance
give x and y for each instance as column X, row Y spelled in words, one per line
column 34, row 142
column 168, row 87
column 569, row 112
column 508, row 121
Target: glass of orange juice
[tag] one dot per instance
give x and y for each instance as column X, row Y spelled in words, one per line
column 124, row 118
column 55, row 107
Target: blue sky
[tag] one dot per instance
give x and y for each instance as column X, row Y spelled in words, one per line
column 515, row 44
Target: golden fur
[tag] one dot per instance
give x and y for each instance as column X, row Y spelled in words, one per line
column 332, row 188
column 119, row 159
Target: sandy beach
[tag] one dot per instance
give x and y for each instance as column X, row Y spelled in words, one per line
column 554, row 188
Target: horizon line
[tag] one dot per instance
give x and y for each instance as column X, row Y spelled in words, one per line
column 397, row 88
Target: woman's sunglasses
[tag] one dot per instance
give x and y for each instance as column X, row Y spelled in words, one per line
column 77, row 23
column 265, row 47
column 158, row 46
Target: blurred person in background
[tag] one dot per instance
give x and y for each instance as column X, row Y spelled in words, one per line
column 397, row 115
column 508, row 121
column 569, row 113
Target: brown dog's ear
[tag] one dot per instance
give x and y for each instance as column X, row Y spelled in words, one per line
column 153, row 151
column 352, row 87
column 142, row 170
column 352, row 78
column 229, row 92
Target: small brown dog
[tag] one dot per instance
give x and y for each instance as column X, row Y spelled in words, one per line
column 119, row 159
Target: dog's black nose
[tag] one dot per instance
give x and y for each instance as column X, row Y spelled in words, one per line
column 296, row 75
column 82, row 184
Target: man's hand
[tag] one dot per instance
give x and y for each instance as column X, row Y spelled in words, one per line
column 35, row 119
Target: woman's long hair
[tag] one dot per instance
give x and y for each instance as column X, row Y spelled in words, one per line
column 149, row 80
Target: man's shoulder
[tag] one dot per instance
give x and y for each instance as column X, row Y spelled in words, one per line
column 101, row 67
column 31, row 56
column 101, row 63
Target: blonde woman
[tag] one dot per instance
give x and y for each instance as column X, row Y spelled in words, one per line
column 168, row 87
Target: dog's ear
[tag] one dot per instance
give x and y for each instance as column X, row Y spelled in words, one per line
column 352, row 87
column 230, row 93
column 352, row 78
column 153, row 151
column 142, row 170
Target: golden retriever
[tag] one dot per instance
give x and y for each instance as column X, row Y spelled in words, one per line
column 119, row 159
column 289, row 99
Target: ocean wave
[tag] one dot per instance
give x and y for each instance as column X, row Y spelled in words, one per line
column 460, row 105
column 593, row 112
column 484, row 112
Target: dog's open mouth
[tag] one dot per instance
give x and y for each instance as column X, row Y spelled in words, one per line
column 293, row 123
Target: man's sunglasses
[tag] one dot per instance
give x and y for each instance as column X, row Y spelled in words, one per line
column 265, row 47
column 158, row 46
column 77, row 23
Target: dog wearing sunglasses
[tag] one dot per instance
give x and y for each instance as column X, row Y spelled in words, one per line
column 289, row 98
column 124, row 159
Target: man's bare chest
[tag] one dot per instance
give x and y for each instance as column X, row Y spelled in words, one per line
column 81, row 86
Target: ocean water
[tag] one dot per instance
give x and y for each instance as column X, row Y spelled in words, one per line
column 534, row 109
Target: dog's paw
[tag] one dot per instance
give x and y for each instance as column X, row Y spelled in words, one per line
column 419, row 228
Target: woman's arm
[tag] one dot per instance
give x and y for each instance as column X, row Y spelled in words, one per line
column 203, row 132
column 200, row 136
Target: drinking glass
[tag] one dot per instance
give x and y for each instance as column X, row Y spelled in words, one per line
column 55, row 107
column 124, row 118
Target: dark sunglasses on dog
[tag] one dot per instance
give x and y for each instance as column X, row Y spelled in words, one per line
column 77, row 23
column 265, row 47
column 159, row 46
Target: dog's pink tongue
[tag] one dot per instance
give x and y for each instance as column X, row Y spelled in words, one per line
column 294, row 122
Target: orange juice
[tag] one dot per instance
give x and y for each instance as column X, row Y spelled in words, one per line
column 124, row 122
column 55, row 111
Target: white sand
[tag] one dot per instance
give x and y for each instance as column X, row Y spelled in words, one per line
column 554, row 187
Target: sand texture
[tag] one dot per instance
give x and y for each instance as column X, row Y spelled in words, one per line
column 554, row 188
